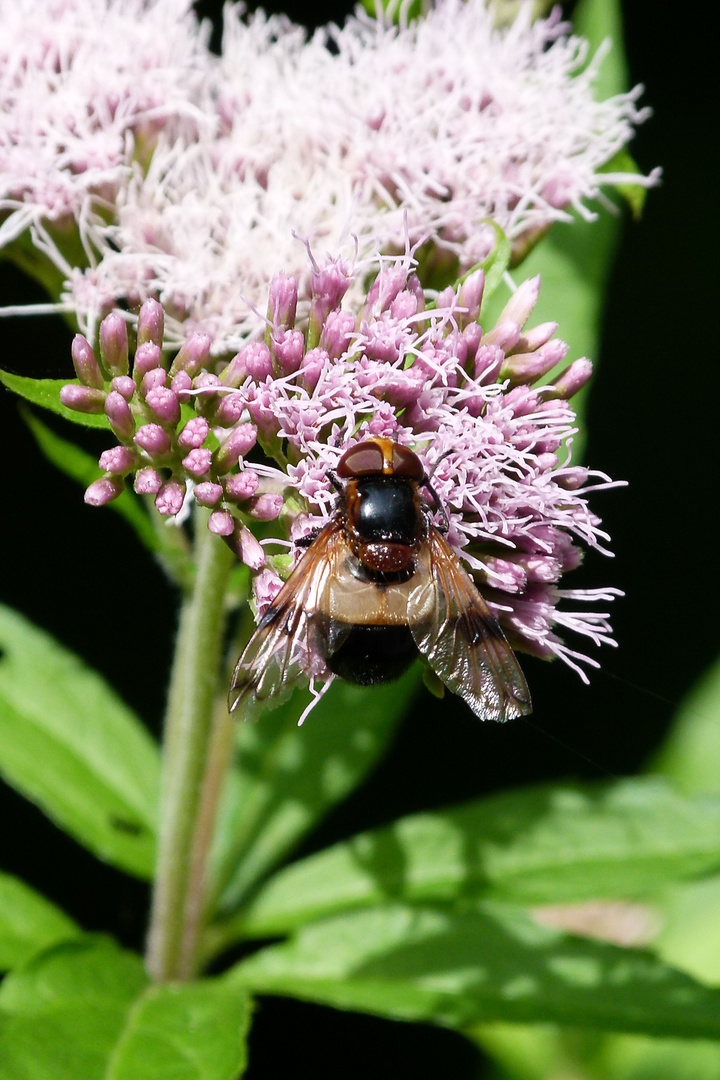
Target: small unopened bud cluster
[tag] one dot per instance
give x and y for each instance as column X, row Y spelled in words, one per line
column 174, row 429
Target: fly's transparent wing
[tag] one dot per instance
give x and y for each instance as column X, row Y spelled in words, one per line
column 286, row 641
column 461, row 639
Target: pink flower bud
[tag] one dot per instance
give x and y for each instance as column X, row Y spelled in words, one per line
column 288, row 347
column 266, row 507
column 229, row 410
column 165, row 405
column 518, row 308
column 236, row 372
column 242, row 485
column 147, row 481
column 194, row 434
column 104, row 490
column 282, row 302
column 153, row 379
column 152, row 439
column 221, row 523
column 120, row 416
column 114, row 343
column 539, row 335
column 572, row 379
column 147, row 357
column 182, row 384
column 192, row 355
column 118, row 459
column 471, row 294
column 151, row 324
column 528, row 367
column 240, row 440
column 247, row 548
column 337, row 333
column 86, row 366
column 198, row 462
column 170, row 498
column 124, row 385
column 85, row 399
column 314, row 362
column 258, row 361
column 207, row 494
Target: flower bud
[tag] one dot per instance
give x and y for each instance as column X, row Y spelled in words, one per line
column 124, row 385
column 282, row 302
column 151, row 324
column 207, row 493
column 521, row 303
column 230, row 409
column 86, row 366
column 288, row 347
column 118, row 459
column 182, row 385
column 85, row 399
column 266, row 507
column 152, row 379
column 120, row 416
column 221, row 523
column 147, row 357
column 194, row 434
column 337, row 333
column 154, row 440
column 165, row 405
column 314, row 362
column 197, row 462
column 258, row 361
column 114, row 343
column 240, row 440
column 572, row 379
column 104, row 490
column 528, row 367
column 241, row 486
column 148, row 481
column 170, row 498
column 470, row 297
column 192, row 355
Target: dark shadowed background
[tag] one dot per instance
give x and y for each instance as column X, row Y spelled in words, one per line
column 652, row 421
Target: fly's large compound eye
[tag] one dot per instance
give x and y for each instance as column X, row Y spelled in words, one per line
column 406, row 464
column 365, row 459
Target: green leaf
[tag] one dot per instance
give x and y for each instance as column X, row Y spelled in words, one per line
column 192, row 1032
column 82, row 467
column 62, row 1014
column 28, row 922
column 690, row 756
column 288, row 777
column 46, row 392
column 69, row 744
column 534, row 846
column 463, row 968
column 86, row 1011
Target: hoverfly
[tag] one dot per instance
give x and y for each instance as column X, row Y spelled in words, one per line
column 377, row 586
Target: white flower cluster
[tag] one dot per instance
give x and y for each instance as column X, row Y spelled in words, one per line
column 142, row 165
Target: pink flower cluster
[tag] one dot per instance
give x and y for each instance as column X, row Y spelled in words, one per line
column 144, row 166
column 491, row 408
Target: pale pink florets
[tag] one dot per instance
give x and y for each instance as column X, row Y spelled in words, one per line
column 187, row 175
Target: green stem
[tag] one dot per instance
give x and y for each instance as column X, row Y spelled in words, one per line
column 172, row 940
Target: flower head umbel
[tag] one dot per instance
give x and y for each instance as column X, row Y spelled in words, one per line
column 474, row 404
column 145, row 166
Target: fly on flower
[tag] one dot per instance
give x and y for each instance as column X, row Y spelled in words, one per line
column 378, row 586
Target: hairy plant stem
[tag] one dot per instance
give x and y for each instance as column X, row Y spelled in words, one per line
column 187, row 814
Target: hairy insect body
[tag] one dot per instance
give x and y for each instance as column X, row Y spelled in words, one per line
column 378, row 586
